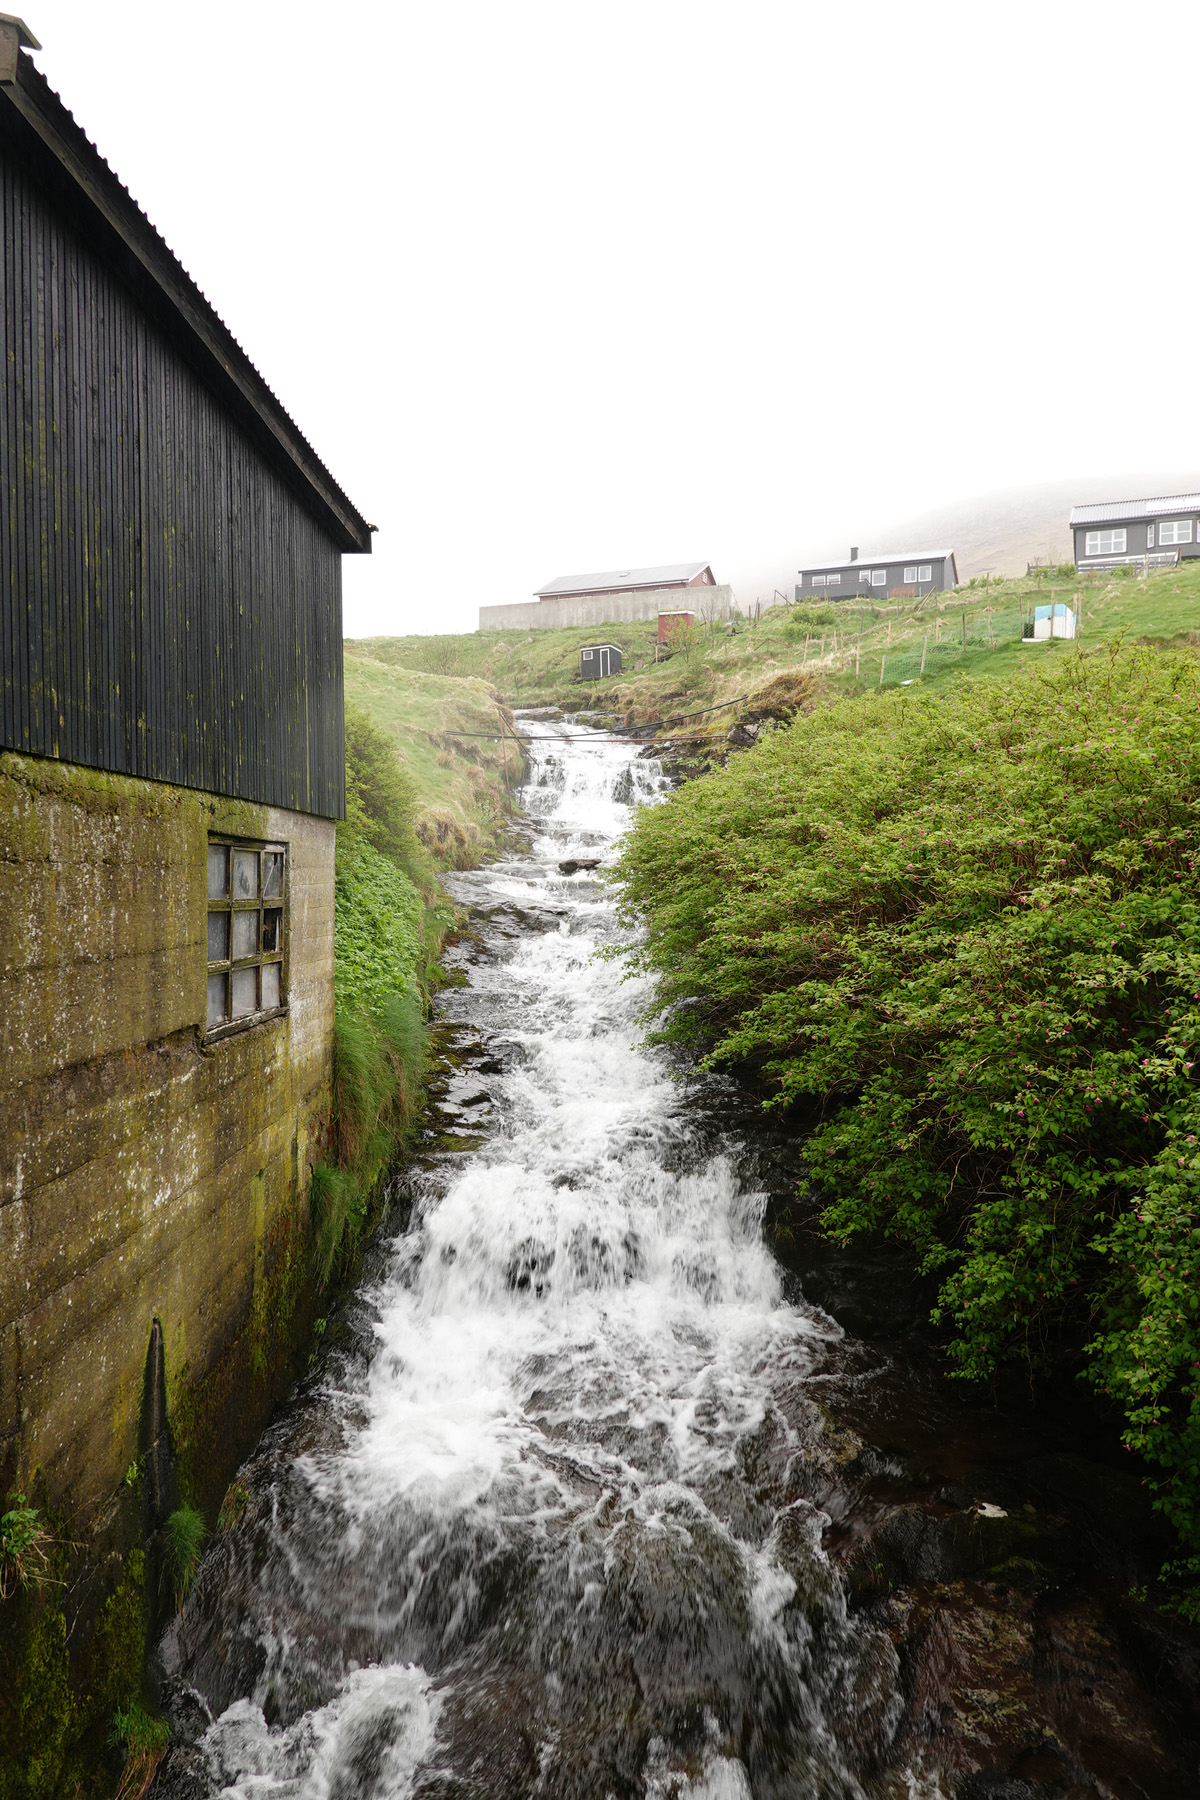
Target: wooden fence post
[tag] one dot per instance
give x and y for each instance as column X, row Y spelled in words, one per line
column 882, row 661
column 924, row 647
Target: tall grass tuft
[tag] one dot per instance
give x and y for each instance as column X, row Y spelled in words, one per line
column 183, row 1546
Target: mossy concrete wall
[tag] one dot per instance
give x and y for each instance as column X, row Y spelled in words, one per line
column 143, row 1172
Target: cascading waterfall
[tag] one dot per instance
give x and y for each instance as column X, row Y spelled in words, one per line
column 554, row 1529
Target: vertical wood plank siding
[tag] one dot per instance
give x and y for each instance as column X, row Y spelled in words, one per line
column 170, row 609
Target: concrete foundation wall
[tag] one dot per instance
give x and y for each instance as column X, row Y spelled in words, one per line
column 143, row 1173
column 615, row 609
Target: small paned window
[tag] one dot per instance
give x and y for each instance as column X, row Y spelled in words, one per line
column 833, row 580
column 925, row 572
column 878, row 577
column 245, row 932
column 818, row 581
column 1174, row 531
column 1105, row 543
column 910, row 573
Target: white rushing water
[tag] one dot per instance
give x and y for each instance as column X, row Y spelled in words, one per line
column 554, row 1534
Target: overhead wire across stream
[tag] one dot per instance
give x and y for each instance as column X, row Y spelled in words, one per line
column 631, row 735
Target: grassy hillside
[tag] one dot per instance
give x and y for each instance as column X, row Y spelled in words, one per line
column 845, row 647
column 462, row 789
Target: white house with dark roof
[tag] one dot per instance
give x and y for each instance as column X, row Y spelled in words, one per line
column 875, row 577
column 1151, row 533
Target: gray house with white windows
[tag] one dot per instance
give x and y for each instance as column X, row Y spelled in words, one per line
column 877, row 577
column 1150, row 533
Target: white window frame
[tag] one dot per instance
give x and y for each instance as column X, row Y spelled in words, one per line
column 910, row 574
column 1175, row 531
column 878, row 577
column 818, row 581
column 925, row 572
column 833, row 581
column 1105, row 543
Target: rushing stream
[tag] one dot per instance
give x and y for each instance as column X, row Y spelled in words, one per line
column 556, row 1518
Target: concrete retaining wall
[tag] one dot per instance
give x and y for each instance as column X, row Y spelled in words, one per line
column 143, row 1172
column 706, row 602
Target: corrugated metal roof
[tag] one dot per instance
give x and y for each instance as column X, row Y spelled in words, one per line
column 42, row 127
column 874, row 561
column 1105, row 510
column 613, row 580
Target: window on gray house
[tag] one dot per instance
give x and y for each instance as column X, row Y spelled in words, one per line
column 1105, row 543
column 910, row 573
column 925, row 572
column 1175, row 531
column 878, row 577
column 834, row 580
column 818, row 581
column 246, row 887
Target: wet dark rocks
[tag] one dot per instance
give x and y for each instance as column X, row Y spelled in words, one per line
column 529, row 1267
column 571, row 865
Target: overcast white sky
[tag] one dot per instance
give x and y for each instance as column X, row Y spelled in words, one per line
column 565, row 286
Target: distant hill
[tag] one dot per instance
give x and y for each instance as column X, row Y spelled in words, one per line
column 1000, row 533
column 996, row 533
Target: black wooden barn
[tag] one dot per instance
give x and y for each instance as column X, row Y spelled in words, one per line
column 170, row 546
column 599, row 660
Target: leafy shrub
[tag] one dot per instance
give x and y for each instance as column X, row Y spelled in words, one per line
column 963, row 938
column 378, row 928
column 183, row 1546
column 381, row 798
column 802, row 617
column 24, row 1547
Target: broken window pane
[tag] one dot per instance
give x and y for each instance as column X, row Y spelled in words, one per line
column 272, row 930
column 217, row 1009
column 218, row 937
column 245, row 935
column 273, row 874
column 245, row 874
column 270, row 985
column 245, row 992
column 218, row 871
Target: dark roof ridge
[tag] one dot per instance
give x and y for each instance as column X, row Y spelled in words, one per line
column 48, row 136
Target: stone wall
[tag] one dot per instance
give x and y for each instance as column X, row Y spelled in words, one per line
column 144, row 1173
column 615, row 609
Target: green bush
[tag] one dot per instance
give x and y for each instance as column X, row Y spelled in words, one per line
column 381, row 798
column 378, row 928
column 803, row 616
column 962, row 939
column 24, row 1544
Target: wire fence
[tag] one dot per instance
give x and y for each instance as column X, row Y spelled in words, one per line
column 974, row 631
